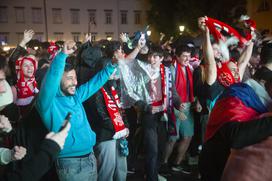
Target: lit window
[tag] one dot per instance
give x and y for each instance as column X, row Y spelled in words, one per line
column 76, row 36
column 57, row 18
column 4, row 38
column 3, row 14
column 109, row 36
column 39, row 36
column 94, row 36
column 58, row 36
column 75, row 16
column 20, row 14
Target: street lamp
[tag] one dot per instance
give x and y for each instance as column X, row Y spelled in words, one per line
column 181, row 29
column 109, row 38
column 148, row 33
column 6, row 48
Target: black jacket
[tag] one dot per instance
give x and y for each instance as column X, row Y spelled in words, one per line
column 37, row 165
column 101, row 121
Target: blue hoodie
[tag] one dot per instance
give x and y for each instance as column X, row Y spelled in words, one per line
column 53, row 106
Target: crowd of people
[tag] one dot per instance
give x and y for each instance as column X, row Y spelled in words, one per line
column 86, row 111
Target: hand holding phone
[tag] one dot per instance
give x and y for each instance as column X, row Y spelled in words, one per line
column 66, row 121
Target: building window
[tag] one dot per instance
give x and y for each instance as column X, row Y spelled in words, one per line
column 94, row 36
column 37, row 15
column 57, row 18
column 20, row 14
column 3, row 14
column 4, row 38
column 109, row 36
column 108, row 16
column 39, row 36
column 20, row 36
column 137, row 17
column 92, row 16
column 264, row 6
column 75, row 16
column 124, row 17
column 58, row 36
column 76, row 36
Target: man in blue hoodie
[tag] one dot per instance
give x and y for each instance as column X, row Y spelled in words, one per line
column 58, row 96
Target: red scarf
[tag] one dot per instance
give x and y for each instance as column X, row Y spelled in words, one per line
column 224, row 75
column 181, row 83
column 113, row 107
column 161, row 105
column 213, row 26
column 24, row 93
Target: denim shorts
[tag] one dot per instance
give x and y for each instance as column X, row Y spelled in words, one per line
column 77, row 168
column 185, row 128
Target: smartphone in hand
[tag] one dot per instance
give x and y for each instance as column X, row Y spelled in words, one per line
column 66, row 120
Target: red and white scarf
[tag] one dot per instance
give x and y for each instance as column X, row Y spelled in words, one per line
column 166, row 103
column 160, row 105
column 214, row 25
column 113, row 107
column 25, row 94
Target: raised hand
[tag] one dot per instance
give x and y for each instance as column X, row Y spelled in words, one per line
column 124, row 37
column 202, row 24
column 88, row 37
column 69, row 47
column 142, row 41
column 28, row 35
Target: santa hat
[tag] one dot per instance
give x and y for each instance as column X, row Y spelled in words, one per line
column 52, row 50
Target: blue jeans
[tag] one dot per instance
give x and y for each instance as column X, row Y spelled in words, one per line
column 75, row 169
column 112, row 166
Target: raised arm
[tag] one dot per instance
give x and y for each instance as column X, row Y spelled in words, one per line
column 140, row 45
column 244, row 59
column 210, row 64
column 94, row 84
column 51, row 82
column 20, row 50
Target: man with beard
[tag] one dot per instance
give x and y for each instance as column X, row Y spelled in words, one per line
column 59, row 95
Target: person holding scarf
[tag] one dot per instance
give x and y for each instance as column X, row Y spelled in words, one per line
column 224, row 72
column 110, row 124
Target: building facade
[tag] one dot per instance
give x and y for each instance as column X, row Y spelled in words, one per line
column 261, row 12
column 54, row 20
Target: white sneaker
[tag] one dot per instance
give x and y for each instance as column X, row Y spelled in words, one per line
column 193, row 160
column 161, row 178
